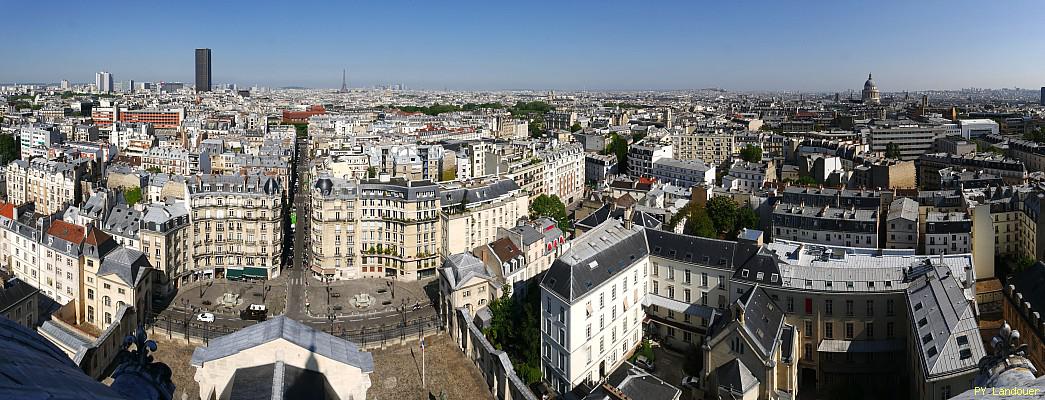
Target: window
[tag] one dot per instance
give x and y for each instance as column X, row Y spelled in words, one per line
column 890, row 308
column 828, row 307
column 687, row 295
column 108, row 318
column 849, row 330
column 808, row 328
column 90, row 294
column 107, row 301
column 808, row 351
column 790, row 304
column 889, row 330
column 849, row 308
column 870, row 308
column 688, row 277
column 828, row 330
column 809, row 306
column 869, row 330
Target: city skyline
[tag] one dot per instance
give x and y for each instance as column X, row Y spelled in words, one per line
column 824, row 47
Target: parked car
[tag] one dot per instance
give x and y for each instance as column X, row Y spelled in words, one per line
column 335, row 294
column 256, row 312
column 690, row 381
column 205, row 317
column 644, row 363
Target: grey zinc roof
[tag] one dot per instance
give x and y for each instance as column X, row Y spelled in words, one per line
column 763, row 319
column 461, row 267
column 735, row 377
column 480, row 194
column 124, row 221
column 281, row 327
column 14, row 291
column 124, row 263
column 595, row 257
column 903, row 208
column 945, row 331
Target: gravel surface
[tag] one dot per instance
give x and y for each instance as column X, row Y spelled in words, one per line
column 397, row 373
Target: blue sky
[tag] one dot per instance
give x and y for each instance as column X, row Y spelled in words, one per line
column 736, row 45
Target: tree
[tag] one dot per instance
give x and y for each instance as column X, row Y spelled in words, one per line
column 723, row 212
column 551, row 207
column 699, row 224
column 619, row 147
column 371, row 172
column 154, row 170
column 746, row 218
column 806, row 180
column 751, row 153
column 892, row 150
column 575, row 127
column 10, row 149
column 536, row 128
column 133, row 196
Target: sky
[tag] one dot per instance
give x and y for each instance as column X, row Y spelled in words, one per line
column 566, row 45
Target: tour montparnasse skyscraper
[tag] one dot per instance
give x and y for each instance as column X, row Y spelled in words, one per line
column 203, row 82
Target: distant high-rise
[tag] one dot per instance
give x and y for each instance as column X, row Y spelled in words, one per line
column 103, row 82
column 1042, row 100
column 344, row 81
column 66, row 86
column 203, row 82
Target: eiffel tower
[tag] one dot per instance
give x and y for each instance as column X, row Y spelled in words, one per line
column 344, row 83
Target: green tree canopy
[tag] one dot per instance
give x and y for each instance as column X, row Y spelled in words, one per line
column 892, row 150
column 751, row 153
column 700, row 224
column 575, row 127
column 618, row 146
column 723, row 212
column 133, row 196
column 10, row 149
column 746, row 218
column 551, row 207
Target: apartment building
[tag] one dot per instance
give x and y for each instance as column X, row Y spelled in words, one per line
column 642, row 155
column 591, row 305
column 746, row 176
column 564, row 172
column 712, row 145
column 947, row 233
column 472, row 214
column 684, row 173
column 237, row 226
column 167, row 160
column 51, row 186
column 37, row 139
column 523, row 252
column 164, row 238
column 383, row 227
column 901, row 224
column 826, row 225
column 929, row 166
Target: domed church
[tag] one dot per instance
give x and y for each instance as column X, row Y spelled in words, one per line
column 870, row 93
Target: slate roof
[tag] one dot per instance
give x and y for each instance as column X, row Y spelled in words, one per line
column 479, row 194
column 31, row 367
column 459, row 268
column 281, row 327
column 595, row 257
column 13, row 292
column 128, row 264
column 945, row 331
column 279, row 381
column 903, row 208
column 1029, row 283
column 763, row 319
column 124, row 221
column 735, row 377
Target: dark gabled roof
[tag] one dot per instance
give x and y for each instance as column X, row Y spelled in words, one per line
column 505, row 249
column 691, row 249
column 1029, row 283
column 13, row 292
column 594, row 258
column 735, row 377
column 279, row 381
column 752, row 264
column 763, row 319
column 128, row 264
column 596, row 217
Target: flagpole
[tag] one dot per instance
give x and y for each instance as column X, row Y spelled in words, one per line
column 422, row 363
